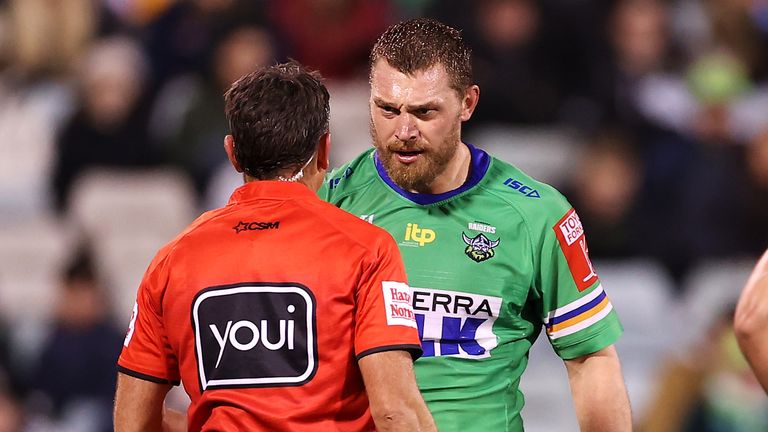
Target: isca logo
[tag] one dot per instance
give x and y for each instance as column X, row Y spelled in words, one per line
column 523, row 189
column 421, row 236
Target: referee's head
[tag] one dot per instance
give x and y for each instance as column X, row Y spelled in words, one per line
column 278, row 116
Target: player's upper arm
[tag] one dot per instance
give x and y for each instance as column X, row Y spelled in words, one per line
column 752, row 311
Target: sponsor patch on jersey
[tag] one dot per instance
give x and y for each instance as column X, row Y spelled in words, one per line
column 255, row 335
column 418, row 236
column 479, row 226
column 573, row 242
column 334, row 182
column 255, row 226
column 479, row 248
column 397, row 300
column 457, row 324
column 521, row 188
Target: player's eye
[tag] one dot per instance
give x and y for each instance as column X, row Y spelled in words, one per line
column 390, row 110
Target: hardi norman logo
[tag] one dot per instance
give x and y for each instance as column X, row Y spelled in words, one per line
column 397, row 300
column 255, row 335
column 454, row 323
column 255, row 226
column 421, row 236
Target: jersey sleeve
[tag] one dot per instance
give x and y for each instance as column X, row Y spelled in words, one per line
column 146, row 352
column 384, row 317
column 577, row 313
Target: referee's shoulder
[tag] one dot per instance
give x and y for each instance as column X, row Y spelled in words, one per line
column 349, row 225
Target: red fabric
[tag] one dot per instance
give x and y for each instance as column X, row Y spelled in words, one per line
column 341, row 259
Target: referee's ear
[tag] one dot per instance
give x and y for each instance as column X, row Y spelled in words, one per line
column 229, row 147
column 324, row 152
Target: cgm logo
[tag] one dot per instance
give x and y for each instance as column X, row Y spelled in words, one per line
column 255, row 226
column 255, row 335
column 421, row 236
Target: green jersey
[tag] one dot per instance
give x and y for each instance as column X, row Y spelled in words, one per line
column 489, row 265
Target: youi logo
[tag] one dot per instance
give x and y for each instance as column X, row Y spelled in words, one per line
column 255, row 335
column 452, row 323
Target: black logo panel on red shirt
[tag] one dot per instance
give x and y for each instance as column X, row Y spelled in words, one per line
column 255, row 335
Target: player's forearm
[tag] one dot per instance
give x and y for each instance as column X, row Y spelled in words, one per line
column 599, row 394
column 751, row 321
column 757, row 355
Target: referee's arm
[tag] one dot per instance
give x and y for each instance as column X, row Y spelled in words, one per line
column 139, row 407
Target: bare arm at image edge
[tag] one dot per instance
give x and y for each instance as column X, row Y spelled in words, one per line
column 599, row 394
column 751, row 321
column 396, row 404
column 139, row 406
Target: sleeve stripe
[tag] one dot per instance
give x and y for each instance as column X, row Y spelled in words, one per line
column 145, row 377
column 574, row 305
column 581, row 322
column 414, row 350
column 576, row 312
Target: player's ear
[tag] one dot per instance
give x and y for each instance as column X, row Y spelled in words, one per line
column 469, row 102
column 229, row 147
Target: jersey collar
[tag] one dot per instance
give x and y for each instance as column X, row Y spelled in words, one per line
column 270, row 189
column 477, row 169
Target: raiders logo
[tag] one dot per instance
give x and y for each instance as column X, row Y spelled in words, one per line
column 479, row 248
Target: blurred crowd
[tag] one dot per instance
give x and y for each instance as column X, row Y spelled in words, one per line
column 660, row 106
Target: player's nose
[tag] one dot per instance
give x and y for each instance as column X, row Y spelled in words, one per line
column 406, row 129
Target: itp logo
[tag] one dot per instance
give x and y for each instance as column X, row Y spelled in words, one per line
column 421, row 236
column 255, row 335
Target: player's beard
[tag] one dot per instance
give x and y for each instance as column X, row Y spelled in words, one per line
column 417, row 176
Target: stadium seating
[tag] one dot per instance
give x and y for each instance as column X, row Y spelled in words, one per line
column 545, row 154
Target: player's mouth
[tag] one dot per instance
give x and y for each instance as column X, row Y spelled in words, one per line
column 407, row 157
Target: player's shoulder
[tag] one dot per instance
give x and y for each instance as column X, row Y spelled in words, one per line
column 534, row 199
column 349, row 178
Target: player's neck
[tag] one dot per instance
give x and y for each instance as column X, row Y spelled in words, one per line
column 455, row 173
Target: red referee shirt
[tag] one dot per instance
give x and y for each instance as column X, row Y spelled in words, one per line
column 262, row 309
